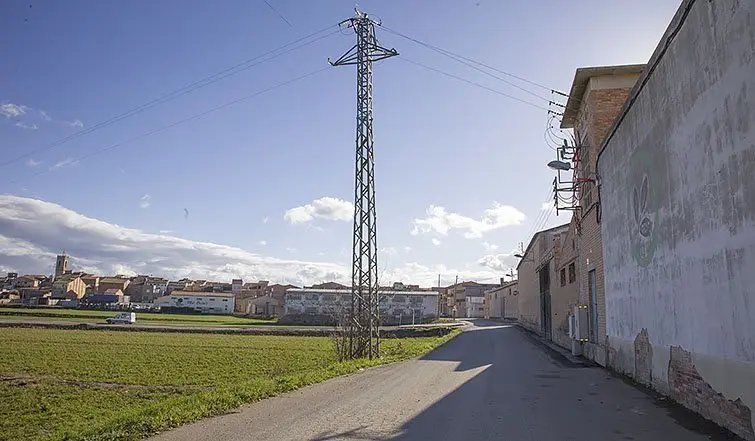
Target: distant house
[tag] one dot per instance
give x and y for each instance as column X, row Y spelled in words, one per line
column 145, row 289
column 107, row 283
column 278, row 292
column 203, row 302
column 264, row 305
column 68, row 287
column 322, row 306
column 500, row 302
column 110, row 297
column 34, row 296
column 26, row 282
column 10, row 297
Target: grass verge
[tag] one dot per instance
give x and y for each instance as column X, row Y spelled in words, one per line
column 86, row 385
column 78, row 315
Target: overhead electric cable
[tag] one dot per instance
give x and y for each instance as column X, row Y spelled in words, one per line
column 182, row 121
column 240, row 67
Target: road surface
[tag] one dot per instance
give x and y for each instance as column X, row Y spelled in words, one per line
column 492, row 382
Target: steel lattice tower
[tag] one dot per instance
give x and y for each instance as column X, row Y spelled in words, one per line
column 364, row 320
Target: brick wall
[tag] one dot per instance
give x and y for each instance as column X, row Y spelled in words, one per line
column 690, row 389
column 643, row 358
column 600, row 108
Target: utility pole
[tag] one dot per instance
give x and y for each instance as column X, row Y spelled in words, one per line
column 363, row 326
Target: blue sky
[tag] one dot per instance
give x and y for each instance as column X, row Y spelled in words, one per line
column 439, row 142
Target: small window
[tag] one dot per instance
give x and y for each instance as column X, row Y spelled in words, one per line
column 212, row 299
column 563, row 276
column 572, row 273
column 225, row 300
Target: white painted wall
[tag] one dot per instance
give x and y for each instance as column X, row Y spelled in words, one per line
column 393, row 303
column 207, row 304
column 679, row 252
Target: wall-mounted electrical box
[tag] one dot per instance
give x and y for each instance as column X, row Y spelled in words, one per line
column 581, row 324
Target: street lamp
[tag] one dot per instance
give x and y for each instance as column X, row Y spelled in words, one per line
column 518, row 256
column 560, row 165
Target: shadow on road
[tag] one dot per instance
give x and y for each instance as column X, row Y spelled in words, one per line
column 522, row 392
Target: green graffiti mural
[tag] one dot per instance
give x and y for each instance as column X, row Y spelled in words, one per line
column 646, row 191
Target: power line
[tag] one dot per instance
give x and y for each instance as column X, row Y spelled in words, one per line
column 233, row 70
column 451, row 54
column 182, row 121
column 278, row 13
column 463, row 60
column 541, row 214
column 473, row 83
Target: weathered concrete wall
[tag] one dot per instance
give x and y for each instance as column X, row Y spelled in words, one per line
column 564, row 297
column 511, row 302
column 678, row 218
column 539, row 252
column 529, row 290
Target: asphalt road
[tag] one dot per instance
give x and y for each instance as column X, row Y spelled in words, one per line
column 492, row 382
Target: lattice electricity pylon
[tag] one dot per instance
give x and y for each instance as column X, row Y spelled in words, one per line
column 364, row 321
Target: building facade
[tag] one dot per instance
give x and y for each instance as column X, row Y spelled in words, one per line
column 678, row 218
column 106, row 283
column 203, row 302
column 325, row 305
column 496, row 301
column 535, row 276
column 68, row 287
column 565, row 293
column 596, row 98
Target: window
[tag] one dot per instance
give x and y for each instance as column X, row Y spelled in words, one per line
column 563, row 276
column 212, row 299
column 572, row 273
column 399, row 299
column 415, row 300
column 225, row 300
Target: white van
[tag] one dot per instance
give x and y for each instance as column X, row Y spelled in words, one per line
column 126, row 318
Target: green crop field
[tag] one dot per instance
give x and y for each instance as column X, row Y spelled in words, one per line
column 105, row 385
column 79, row 315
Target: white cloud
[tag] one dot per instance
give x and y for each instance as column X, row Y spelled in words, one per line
column 436, row 242
column 145, row 201
column 32, row 163
column 324, row 208
column 265, row 220
column 64, row 163
column 489, row 246
column 390, row 251
column 498, row 262
column 166, row 231
column 32, row 232
column 291, row 249
column 263, row 242
column 407, row 249
column 440, row 221
column 9, row 110
column 76, row 123
column 44, row 115
column 25, row 126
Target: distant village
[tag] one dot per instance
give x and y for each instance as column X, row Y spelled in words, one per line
column 400, row 303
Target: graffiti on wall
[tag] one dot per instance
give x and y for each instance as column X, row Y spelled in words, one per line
column 646, row 194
